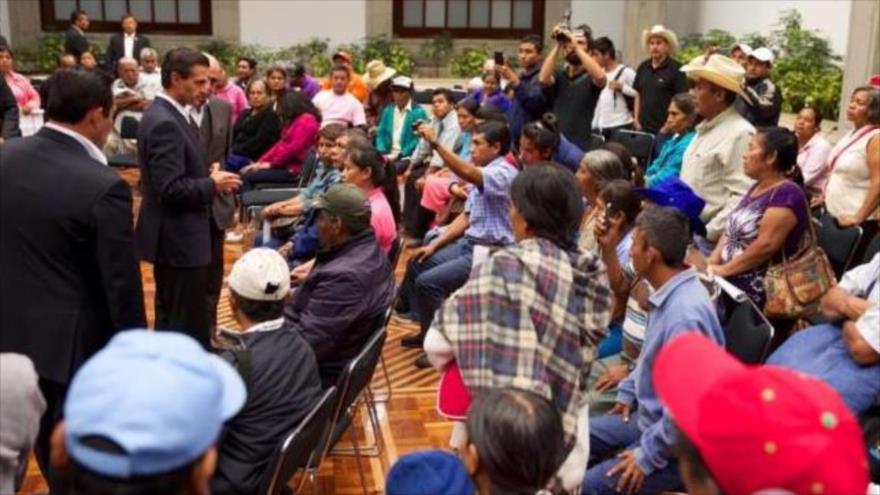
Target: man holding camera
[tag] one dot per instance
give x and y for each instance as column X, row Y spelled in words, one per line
column 575, row 88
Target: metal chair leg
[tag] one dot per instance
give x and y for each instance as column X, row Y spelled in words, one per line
column 357, row 457
column 387, row 390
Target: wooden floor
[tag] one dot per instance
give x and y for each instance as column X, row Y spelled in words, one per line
column 408, row 419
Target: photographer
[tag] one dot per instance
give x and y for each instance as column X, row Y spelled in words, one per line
column 575, row 88
column 529, row 102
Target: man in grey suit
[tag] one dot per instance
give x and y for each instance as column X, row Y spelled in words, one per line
column 214, row 118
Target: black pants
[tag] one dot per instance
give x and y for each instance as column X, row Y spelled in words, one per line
column 54, row 393
column 215, row 275
column 416, row 219
column 181, row 295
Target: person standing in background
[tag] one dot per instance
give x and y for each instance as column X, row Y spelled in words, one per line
column 75, row 41
column 127, row 44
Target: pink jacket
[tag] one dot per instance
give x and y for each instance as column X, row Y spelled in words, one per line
column 25, row 94
column 297, row 139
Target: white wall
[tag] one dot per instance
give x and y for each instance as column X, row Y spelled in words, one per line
column 281, row 23
column 4, row 20
column 740, row 17
column 604, row 16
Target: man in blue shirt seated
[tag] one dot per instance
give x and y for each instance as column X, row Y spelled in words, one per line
column 277, row 364
column 679, row 304
column 845, row 353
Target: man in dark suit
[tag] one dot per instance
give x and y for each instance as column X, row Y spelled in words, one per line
column 128, row 43
column 75, row 41
column 214, row 118
column 174, row 225
column 69, row 278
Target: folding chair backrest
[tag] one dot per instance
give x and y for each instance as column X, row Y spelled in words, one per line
column 747, row 333
column 128, row 128
column 839, row 244
column 300, row 446
column 872, row 249
column 394, row 253
column 596, row 140
column 640, row 144
column 309, row 166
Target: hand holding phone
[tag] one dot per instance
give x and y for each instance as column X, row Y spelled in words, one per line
column 499, row 59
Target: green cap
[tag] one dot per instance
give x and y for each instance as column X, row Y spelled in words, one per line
column 349, row 204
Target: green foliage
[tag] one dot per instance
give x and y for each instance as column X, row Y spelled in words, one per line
column 41, row 59
column 806, row 70
column 380, row 47
column 437, row 49
column 469, row 62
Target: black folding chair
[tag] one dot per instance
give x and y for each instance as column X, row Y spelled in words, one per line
column 423, row 96
column 128, row 129
column 254, row 201
column 300, row 448
column 872, row 249
column 639, row 144
column 838, row 243
column 747, row 332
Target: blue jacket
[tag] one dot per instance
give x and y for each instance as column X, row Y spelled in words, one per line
column 668, row 162
column 568, row 154
column 529, row 103
column 408, row 138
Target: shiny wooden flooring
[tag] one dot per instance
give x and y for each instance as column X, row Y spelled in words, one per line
column 408, row 419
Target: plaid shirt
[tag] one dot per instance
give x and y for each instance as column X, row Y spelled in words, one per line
column 530, row 317
column 488, row 207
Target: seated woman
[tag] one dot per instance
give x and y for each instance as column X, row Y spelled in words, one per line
column 813, row 151
column 491, row 94
column 276, row 82
column 27, row 98
column 88, row 61
column 680, row 119
column 365, row 169
column 532, row 314
column 770, row 219
column 598, row 168
column 256, row 130
column 541, row 141
column 852, row 194
column 284, row 160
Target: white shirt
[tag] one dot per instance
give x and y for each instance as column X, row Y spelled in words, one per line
column 611, row 109
column 397, row 128
column 90, row 147
column 180, row 108
column 196, row 114
column 151, row 82
column 864, row 281
column 128, row 43
column 850, row 178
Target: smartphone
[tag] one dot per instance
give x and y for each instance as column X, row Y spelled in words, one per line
column 499, row 58
column 609, row 214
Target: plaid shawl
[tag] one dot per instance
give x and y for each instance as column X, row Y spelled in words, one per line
column 530, row 317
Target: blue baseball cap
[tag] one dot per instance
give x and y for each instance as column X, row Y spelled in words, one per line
column 157, row 395
column 673, row 192
column 432, row 472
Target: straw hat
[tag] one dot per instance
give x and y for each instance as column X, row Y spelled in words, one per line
column 377, row 73
column 718, row 70
column 658, row 31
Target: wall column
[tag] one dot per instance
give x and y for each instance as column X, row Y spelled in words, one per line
column 862, row 58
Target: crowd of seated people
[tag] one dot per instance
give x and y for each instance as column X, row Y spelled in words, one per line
column 563, row 281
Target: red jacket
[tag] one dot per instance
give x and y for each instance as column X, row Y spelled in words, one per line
column 297, row 139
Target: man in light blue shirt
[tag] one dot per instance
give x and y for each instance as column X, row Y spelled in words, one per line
column 679, row 304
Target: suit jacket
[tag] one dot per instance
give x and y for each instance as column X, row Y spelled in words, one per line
column 69, row 278
column 116, row 50
column 75, row 42
column 9, row 119
column 173, row 227
column 216, row 141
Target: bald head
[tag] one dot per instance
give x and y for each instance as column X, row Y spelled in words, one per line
column 216, row 73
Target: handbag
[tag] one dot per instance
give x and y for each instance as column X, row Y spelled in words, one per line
column 453, row 398
column 795, row 286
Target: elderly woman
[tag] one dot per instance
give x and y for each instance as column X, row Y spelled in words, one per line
column 852, row 195
column 257, row 128
column 541, row 141
column 532, row 314
column 770, row 219
column 27, row 98
column 813, row 150
column 680, row 119
column 598, row 168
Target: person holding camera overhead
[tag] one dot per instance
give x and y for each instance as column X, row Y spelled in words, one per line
column 396, row 138
column 574, row 88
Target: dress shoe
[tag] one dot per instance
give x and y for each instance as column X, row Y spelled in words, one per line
column 422, row 362
column 412, row 342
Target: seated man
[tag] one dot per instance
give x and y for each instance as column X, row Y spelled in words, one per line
column 846, row 353
column 131, row 101
column 337, row 105
column 679, row 304
column 151, row 74
column 350, row 286
column 395, row 137
column 277, row 364
column 143, row 415
column 756, row 429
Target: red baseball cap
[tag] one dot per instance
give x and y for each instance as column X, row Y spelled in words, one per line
column 344, row 55
column 760, row 427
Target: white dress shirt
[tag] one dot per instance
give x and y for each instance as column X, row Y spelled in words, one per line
column 90, row 147
column 128, row 43
column 611, row 109
column 864, row 281
column 180, row 108
column 397, row 128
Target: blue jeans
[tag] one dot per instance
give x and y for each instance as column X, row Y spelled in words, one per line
column 613, row 342
column 608, row 436
column 427, row 284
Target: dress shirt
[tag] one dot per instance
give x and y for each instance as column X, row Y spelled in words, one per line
column 152, row 83
column 397, row 128
column 713, row 167
column 813, row 161
column 488, row 207
column 128, row 43
column 180, row 108
column 611, row 109
column 864, row 281
column 90, row 147
column 447, row 131
column 196, row 114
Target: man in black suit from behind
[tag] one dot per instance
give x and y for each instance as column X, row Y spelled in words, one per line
column 128, row 43
column 75, row 41
column 69, row 278
column 173, row 230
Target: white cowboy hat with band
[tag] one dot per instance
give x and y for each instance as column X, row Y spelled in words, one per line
column 719, row 70
column 658, row 31
column 377, row 73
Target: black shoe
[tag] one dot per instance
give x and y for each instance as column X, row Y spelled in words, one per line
column 412, row 342
column 422, row 362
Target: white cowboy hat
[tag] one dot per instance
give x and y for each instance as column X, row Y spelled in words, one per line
column 658, row 31
column 719, row 70
column 377, row 73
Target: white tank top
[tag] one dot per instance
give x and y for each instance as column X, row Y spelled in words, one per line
column 849, row 179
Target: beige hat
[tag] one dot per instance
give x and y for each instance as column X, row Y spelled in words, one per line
column 658, row 31
column 377, row 73
column 718, row 70
column 260, row 275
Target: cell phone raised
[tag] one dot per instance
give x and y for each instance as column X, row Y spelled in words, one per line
column 609, row 214
column 499, row 58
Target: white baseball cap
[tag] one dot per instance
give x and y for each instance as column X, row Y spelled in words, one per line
column 402, row 82
column 260, row 275
column 763, row 54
